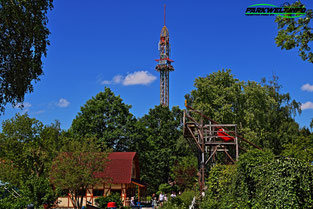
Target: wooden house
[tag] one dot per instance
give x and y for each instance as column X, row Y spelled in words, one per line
column 123, row 172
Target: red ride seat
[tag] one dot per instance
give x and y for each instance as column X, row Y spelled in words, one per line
column 224, row 136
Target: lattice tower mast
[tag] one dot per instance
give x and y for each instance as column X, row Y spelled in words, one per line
column 164, row 66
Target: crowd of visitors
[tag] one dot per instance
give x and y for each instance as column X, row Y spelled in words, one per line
column 155, row 201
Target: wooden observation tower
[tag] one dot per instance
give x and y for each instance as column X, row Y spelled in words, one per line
column 211, row 141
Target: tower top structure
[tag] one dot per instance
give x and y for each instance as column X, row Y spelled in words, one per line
column 164, row 63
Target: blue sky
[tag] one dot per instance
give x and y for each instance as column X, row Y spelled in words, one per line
column 98, row 43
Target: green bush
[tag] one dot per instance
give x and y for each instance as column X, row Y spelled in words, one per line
column 182, row 201
column 187, row 197
column 219, row 186
column 285, row 183
column 102, row 202
column 165, row 188
column 260, row 180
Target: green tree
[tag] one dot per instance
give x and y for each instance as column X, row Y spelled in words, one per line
column 28, row 146
column 260, row 180
column 23, row 42
column 11, row 199
column 27, row 149
column 77, row 168
column 285, row 183
column 106, row 118
column 263, row 114
column 156, row 141
column 301, row 148
column 219, row 187
column 184, row 172
column 296, row 32
column 247, row 176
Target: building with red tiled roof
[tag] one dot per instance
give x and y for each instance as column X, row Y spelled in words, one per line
column 123, row 173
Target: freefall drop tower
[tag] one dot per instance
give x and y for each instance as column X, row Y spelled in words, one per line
column 164, row 64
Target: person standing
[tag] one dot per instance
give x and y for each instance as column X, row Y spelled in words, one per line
column 165, row 198
column 132, row 201
column 161, row 198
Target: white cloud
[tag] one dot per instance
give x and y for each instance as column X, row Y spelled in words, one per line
column 139, row 78
column 136, row 78
column 307, row 105
column 115, row 80
column 106, row 82
column 118, row 79
column 63, row 103
column 307, row 87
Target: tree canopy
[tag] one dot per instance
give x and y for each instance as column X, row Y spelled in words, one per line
column 106, row 118
column 263, row 114
column 23, row 43
column 77, row 168
column 296, row 32
column 27, row 149
column 156, row 144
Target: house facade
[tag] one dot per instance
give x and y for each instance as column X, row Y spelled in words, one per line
column 123, row 173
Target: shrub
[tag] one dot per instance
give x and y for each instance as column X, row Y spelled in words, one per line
column 102, row 202
column 260, row 180
column 180, row 202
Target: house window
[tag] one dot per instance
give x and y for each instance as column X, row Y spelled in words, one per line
column 98, row 192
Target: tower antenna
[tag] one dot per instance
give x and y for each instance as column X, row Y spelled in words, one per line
column 164, row 13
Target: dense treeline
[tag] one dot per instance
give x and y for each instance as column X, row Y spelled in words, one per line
column 264, row 115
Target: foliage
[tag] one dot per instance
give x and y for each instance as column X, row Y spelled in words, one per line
column 170, row 205
column 296, row 33
column 28, row 146
column 38, row 190
column 184, row 172
column 301, row 148
column 106, row 118
column 219, row 186
column 264, row 116
column 285, row 183
column 23, row 42
column 165, row 188
column 102, row 202
column 27, row 149
column 260, row 180
column 247, row 176
column 187, row 197
column 180, row 202
column 77, row 167
column 155, row 143
column 8, row 200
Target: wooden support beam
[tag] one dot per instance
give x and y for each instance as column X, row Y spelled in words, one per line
column 213, row 153
column 193, row 136
column 229, row 156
